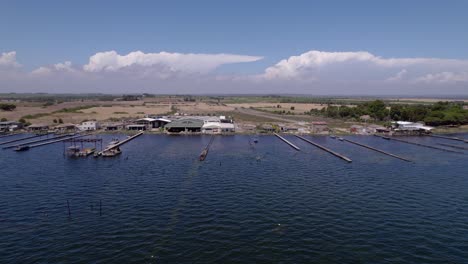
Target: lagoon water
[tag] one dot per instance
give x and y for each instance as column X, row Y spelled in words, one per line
column 243, row 204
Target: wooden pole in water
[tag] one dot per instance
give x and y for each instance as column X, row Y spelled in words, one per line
column 326, row 149
column 287, row 142
column 421, row 145
column 100, row 207
column 68, row 205
column 377, row 150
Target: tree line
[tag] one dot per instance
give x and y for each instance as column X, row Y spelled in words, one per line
column 440, row 113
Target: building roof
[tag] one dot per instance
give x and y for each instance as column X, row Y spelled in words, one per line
column 6, row 123
column 38, row 125
column 322, row 123
column 147, row 119
column 186, row 122
column 65, row 125
column 163, row 120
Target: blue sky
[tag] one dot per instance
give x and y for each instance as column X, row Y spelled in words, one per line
column 50, row 32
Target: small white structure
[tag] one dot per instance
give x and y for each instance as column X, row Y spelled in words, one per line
column 10, row 126
column 410, row 126
column 89, row 125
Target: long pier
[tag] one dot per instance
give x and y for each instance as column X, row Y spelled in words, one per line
column 419, row 144
column 453, row 146
column 287, row 142
column 9, row 135
column 54, row 141
column 450, row 138
column 204, row 152
column 38, row 140
column 120, row 143
column 326, row 149
column 375, row 149
column 21, row 139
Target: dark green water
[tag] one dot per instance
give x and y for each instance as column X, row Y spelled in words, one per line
column 243, row 204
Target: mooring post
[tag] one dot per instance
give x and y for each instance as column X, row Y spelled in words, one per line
column 68, row 205
column 100, row 207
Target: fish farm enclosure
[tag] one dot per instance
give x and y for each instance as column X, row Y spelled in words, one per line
column 218, row 199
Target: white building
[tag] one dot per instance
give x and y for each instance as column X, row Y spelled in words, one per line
column 410, row 126
column 217, row 125
column 89, row 125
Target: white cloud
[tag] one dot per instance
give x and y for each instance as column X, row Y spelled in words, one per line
column 56, row 68
column 344, row 66
column 398, row 77
column 8, row 60
column 443, row 77
column 314, row 72
column 176, row 62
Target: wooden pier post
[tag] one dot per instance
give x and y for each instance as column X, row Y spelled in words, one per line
column 68, row 206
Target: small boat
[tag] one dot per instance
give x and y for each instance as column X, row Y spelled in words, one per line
column 255, row 140
column 114, row 142
column 22, row 148
column 73, row 151
column 203, row 154
column 340, row 138
column 86, row 152
column 333, row 136
column 111, row 152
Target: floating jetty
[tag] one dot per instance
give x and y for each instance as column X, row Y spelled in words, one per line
column 419, row 144
column 37, row 141
column 453, row 146
column 287, row 142
column 450, row 138
column 326, row 149
column 9, row 135
column 54, row 141
column 21, row 139
column 204, row 152
column 377, row 150
column 120, row 143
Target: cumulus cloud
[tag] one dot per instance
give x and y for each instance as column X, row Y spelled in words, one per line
column 8, row 60
column 345, row 66
column 443, row 77
column 59, row 67
column 176, row 62
column 398, row 77
column 313, row 72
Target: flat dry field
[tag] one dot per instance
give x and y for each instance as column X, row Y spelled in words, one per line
column 105, row 110
column 299, row 108
column 99, row 110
